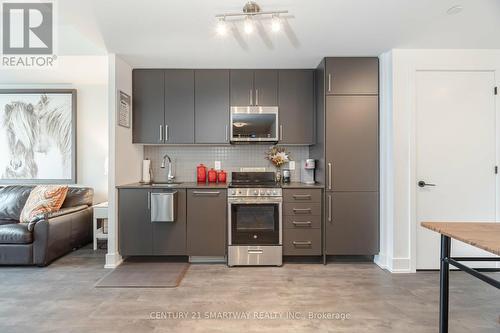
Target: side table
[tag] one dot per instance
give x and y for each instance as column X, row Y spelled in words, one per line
column 100, row 213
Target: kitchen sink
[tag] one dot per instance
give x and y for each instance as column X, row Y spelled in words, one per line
column 171, row 184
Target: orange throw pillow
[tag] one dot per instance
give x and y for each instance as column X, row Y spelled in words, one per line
column 43, row 199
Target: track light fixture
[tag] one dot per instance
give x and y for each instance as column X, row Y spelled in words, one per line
column 250, row 11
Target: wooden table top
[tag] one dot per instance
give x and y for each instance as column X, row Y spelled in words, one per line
column 485, row 236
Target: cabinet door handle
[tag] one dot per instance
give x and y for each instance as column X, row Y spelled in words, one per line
column 206, row 192
column 149, row 200
column 255, row 251
column 302, row 196
column 329, row 82
column 302, row 210
column 302, row 223
column 281, row 132
column 302, row 243
column 161, row 133
column 251, row 97
column 166, row 132
column 329, row 208
column 329, row 176
column 227, row 135
column 256, row 96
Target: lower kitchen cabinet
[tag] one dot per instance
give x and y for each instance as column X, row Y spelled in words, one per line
column 302, row 222
column 138, row 236
column 134, row 226
column 351, row 223
column 169, row 238
column 207, row 222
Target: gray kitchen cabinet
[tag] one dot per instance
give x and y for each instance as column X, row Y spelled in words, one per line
column 211, row 106
column 134, row 222
column 352, row 149
column 254, row 87
column 206, row 222
column 296, row 106
column 169, row 238
column 352, row 76
column 241, row 81
column 179, row 106
column 148, row 106
column 351, row 223
column 266, row 87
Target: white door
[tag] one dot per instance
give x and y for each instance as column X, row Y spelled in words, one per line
column 456, row 151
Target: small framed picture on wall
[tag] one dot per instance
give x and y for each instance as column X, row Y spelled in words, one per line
column 124, row 109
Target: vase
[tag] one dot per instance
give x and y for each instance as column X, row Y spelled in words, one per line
column 278, row 175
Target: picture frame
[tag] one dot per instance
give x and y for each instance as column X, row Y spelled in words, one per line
column 124, row 109
column 38, row 136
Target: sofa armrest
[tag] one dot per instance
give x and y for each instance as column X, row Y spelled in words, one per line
column 58, row 235
column 65, row 211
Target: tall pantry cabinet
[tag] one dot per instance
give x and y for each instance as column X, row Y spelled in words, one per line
column 347, row 151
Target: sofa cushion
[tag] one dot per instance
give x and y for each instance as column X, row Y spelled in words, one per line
column 12, row 201
column 43, row 199
column 8, row 221
column 15, row 234
column 78, row 196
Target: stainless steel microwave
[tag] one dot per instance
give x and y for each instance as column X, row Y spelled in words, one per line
column 254, row 124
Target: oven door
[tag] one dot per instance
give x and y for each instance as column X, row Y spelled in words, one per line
column 254, row 124
column 255, row 222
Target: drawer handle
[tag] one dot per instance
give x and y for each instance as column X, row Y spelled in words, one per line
column 255, row 251
column 206, row 193
column 302, row 243
column 302, row 223
column 302, row 210
column 302, row 196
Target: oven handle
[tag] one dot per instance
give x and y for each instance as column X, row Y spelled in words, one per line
column 250, row 251
column 236, row 201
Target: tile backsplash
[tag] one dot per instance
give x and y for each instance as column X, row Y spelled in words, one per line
column 186, row 159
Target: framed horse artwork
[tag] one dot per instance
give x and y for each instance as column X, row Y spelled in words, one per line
column 37, row 136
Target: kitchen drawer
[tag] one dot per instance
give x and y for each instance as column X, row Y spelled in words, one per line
column 302, row 222
column 301, row 208
column 302, row 195
column 301, row 242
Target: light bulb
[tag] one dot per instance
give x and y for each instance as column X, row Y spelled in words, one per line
column 221, row 27
column 276, row 24
column 248, row 27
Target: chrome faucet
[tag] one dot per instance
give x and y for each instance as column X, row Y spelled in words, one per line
column 170, row 176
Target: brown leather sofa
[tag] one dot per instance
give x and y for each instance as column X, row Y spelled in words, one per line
column 52, row 237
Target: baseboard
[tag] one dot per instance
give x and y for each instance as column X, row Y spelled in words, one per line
column 207, row 260
column 381, row 261
column 400, row 265
column 113, row 260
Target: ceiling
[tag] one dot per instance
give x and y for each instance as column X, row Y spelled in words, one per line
column 181, row 33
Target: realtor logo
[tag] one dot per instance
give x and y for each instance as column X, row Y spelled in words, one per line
column 27, row 28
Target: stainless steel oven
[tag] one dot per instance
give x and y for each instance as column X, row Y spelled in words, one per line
column 255, row 226
column 254, row 124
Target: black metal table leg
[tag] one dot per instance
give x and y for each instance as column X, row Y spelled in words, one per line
column 444, row 280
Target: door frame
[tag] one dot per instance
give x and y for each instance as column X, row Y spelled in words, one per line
column 412, row 101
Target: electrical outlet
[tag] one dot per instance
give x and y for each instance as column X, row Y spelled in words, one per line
column 291, row 165
column 218, row 165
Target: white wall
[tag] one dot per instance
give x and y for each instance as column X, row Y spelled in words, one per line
column 89, row 76
column 125, row 158
column 398, row 215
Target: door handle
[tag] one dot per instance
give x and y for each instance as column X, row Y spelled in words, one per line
column 329, row 176
column 302, row 210
column 227, row 136
column 302, row 243
column 329, row 82
column 149, row 200
column 329, row 208
column 302, row 223
column 421, row 183
column 302, row 196
column 255, row 251
column 206, row 192
column 161, row 133
column 256, row 96
column 166, row 132
column 281, row 132
column 251, row 97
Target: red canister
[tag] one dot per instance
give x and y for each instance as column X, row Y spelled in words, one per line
column 212, row 176
column 201, row 173
column 221, row 176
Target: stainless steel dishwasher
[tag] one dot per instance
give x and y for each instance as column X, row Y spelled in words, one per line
column 163, row 206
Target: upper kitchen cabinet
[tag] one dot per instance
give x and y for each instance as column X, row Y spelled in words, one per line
column 254, row 87
column 266, row 87
column 296, row 106
column 179, row 106
column 148, row 106
column 351, row 76
column 211, row 106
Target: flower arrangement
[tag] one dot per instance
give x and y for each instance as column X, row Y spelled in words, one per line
column 278, row 156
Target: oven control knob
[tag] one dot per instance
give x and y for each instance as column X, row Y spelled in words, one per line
column 239, row 192
column 262, row 192
column 268, row 192
column 255, row 192
column 275, row 192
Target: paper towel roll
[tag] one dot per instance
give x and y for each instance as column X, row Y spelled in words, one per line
column 146, row 171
